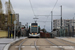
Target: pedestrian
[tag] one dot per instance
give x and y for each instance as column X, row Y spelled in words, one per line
column 24, row 31
column 19, row 32
column 10, row 32
column 13, row 32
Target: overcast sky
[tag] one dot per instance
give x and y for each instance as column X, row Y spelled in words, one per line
column 42, row 7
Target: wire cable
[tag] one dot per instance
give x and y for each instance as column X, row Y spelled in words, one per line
column 54, row 5
column 32, row 7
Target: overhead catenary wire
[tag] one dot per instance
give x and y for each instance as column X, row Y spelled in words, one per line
column 33, row 11
column 54, row 5
column 39, row 15
column 46, row 20
column 32, row 7
column 52, row 16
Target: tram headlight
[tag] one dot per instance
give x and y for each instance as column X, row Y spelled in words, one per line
column 35, row 33
column 32, row 33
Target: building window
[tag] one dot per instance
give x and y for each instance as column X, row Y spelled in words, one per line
column 5, row 24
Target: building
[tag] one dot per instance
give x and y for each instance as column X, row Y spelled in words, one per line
column 5, row 21
column 65, row 23
column 68, row 27
column 17, row 19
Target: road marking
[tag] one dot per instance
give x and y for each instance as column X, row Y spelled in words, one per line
column 16, row 46
column 53, row 47
column 68, row 47
column 47, row 46
column 22, row 46
column 38, row 46
column 65, row 47
column 32, row 46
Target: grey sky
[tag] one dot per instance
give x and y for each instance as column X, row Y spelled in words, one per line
column 42, row 7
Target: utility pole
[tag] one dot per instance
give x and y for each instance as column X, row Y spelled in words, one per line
column 51, row 21
column 73, row 21
column 73, row 27
column 14, row 29
column 27, row 25
column 61, row 20
column 44, row 28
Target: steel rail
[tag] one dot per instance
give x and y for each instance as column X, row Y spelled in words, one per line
column 21, row 44
column 35, row 45
column 63, row 42
column 54, row 44
column 50, row 42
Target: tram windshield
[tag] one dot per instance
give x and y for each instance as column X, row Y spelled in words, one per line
column 34, row 29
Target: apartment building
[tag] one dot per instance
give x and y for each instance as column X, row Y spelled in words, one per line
column 6, row 20
column 65, row 23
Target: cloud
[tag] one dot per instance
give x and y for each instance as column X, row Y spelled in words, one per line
column 42, row 7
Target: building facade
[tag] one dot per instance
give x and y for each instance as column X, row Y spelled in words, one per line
column 6, row 20
column 65, row 23
column 67, row 29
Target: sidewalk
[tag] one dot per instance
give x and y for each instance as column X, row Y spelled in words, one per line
column 71, row 39
column 5, row 41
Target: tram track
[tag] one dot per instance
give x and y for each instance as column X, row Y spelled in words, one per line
column 55, row 44
column 65, row 42
column 40, row 44
column 21, row 44
column 31, row 44
column 62, row 42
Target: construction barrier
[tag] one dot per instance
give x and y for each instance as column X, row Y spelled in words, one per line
column 3, row 34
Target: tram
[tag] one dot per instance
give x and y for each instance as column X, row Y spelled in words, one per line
column 34, row 30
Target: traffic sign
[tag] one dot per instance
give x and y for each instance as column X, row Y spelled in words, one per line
column 14, row 22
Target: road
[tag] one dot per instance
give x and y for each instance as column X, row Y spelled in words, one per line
column 42, row 44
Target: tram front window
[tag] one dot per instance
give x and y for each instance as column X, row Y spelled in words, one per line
column 34, row 29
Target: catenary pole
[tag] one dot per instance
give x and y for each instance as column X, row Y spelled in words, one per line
column 51, row 21
column 61, row 20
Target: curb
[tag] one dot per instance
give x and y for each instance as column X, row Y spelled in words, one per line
column 8, row 45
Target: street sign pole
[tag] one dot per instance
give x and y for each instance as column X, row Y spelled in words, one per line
column 14, row 29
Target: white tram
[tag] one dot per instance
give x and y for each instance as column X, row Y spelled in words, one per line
column 34, row 30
